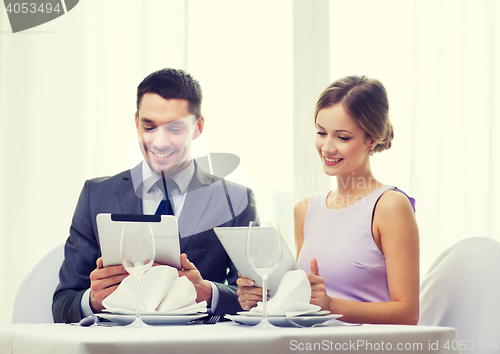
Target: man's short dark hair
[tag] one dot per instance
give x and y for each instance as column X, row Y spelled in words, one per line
column 173, row 83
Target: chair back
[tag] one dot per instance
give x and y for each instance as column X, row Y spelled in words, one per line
column 33, row 303
column 461, row 290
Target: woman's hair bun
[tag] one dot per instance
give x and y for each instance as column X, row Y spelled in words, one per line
column 387, row 142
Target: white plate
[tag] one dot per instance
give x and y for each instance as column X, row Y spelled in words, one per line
column 128, row 312
column 282, row 321
column 257, row 314
column 152, row 320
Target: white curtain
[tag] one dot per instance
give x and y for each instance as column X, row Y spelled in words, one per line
column 455, row 157
column 67, row 104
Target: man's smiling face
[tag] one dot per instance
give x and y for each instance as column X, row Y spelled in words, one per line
column 167, row 130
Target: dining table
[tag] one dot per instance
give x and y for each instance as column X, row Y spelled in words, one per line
column 225, row 337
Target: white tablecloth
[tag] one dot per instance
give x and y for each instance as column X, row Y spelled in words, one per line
column 225, row 337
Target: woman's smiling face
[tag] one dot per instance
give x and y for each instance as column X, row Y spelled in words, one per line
column 341, row 143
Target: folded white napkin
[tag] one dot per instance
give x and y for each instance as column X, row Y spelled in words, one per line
column 162, row 291
column 292, row 297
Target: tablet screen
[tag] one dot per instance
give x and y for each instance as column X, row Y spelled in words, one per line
column 234, row 240
column 165, row 233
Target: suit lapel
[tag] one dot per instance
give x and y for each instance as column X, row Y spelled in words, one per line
column 130, row 203
column 197, row 200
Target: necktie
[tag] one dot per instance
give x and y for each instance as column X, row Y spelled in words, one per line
column 165, row 207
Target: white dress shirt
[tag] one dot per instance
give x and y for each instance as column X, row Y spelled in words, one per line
column 152, row 195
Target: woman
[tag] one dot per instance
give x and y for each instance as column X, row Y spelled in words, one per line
column 359, row 241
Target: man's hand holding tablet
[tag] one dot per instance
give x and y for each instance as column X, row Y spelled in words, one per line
column 103, row 281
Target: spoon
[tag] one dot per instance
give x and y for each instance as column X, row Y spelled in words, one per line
column 88, row 321
column 329, row 323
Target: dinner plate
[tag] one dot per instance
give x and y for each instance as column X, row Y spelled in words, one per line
column 257, row 314
column 305, row 321
column 129, row 312
column 152, row 320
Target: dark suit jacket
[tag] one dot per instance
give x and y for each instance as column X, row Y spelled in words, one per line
column 206, row 206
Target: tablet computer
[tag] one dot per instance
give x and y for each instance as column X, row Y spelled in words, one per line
column 234, row 241
column 165, row 234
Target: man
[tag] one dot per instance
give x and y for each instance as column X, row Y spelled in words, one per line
column 168, row 119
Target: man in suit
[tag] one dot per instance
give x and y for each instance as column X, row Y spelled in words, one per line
column 168, row 119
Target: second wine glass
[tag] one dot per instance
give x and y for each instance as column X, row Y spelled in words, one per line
column 137, row 252
column 264, row 254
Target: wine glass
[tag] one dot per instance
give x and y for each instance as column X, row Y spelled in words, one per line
column 264, row 254
column 137, row 253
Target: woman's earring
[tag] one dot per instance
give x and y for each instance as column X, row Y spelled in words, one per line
column 371, row 152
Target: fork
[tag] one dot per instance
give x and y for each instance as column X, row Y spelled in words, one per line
column 212, row 320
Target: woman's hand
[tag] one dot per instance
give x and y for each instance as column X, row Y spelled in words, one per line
column 248, row 295
column 318, row 290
